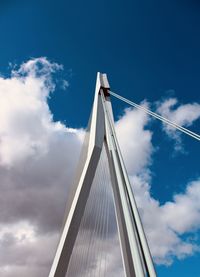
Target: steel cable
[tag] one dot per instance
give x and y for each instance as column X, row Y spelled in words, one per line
column 157, row 116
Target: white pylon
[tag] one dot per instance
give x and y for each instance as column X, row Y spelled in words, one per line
column 136, row 256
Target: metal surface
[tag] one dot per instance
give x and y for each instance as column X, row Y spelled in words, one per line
column 130, row 250
column 143, row 254
column 70, row 230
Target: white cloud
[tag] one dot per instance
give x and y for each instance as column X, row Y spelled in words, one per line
column 184, row 115
column 187, row 210
column 26, row 124
column 135, row 141
column 24, row 252
column 37, row 161
column 164, row 224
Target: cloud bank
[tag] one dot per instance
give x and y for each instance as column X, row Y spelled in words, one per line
column 38, row 158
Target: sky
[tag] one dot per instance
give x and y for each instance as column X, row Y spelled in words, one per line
column 50, row 53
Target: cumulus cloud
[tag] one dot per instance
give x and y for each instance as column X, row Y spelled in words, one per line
column 135, row 140
column 24, row 252
column 165, row 224
column 38, row 158
column 184, row 115
column 37, row 161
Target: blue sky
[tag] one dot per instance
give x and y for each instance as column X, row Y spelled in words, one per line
column 150, row 50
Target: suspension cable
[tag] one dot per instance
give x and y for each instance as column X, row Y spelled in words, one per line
column 157, row 116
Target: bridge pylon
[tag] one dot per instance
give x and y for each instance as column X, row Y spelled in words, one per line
column 136, row 256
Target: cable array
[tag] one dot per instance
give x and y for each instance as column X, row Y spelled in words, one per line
column 157, row 116
column 97, row 241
